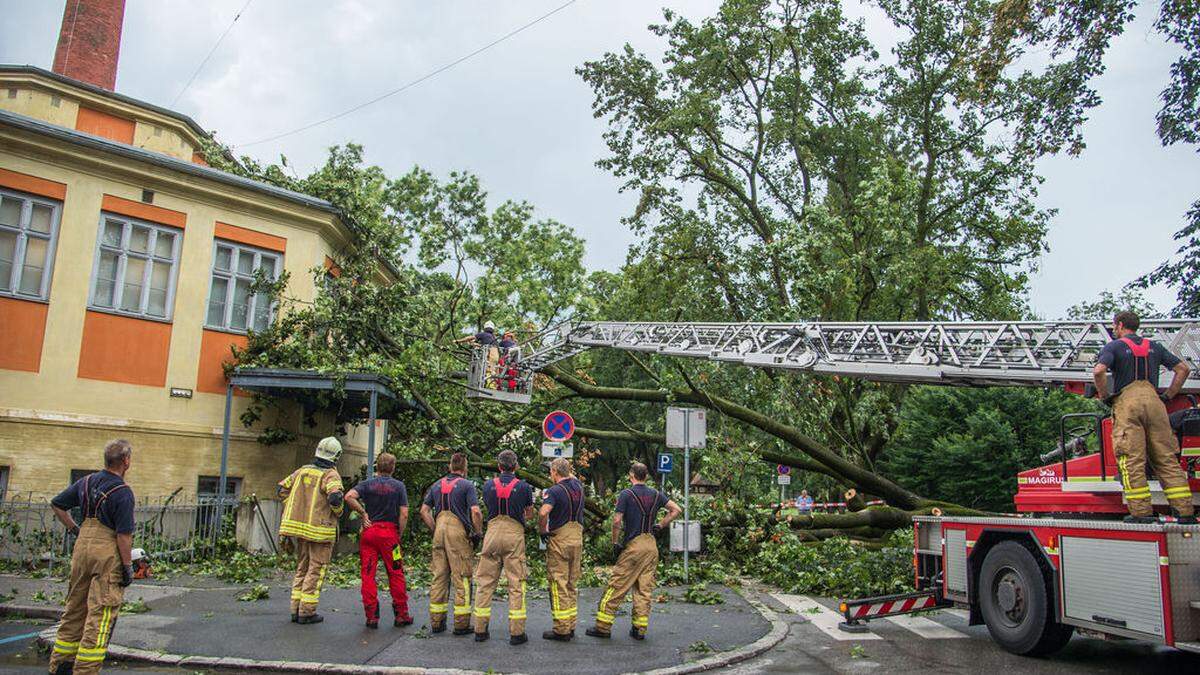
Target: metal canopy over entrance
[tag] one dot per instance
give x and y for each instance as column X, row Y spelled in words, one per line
column 376, row 393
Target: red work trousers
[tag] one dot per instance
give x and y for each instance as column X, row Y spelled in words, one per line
column 382, row 541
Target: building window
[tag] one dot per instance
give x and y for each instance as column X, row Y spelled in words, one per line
column 28, row 231
column 3, row 483
column 231, row 303
column 135, row 267
column 208, row 488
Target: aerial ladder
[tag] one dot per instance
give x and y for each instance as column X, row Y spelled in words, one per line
column 1063, row 562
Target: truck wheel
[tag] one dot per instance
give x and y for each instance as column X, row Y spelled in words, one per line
column 1014, row 597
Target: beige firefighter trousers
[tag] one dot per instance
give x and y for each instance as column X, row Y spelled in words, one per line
column 1141, row 432
column 94, row 599
column 503, row 550
column 564, row 557
column 312, row 557
column 634, row 571
column 451, row 561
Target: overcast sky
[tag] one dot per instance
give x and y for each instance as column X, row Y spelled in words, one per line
column 520, row 118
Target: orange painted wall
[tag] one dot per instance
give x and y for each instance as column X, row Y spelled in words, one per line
column 33, row 185
column 124, row 349
column 22, row 330
column 107, row 126
column 154, row 214
column 242, row 235
column 214, row 352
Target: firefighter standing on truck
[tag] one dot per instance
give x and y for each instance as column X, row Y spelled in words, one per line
column 384, row 517
column 101, row 564
column 1141, row 429
column 509, row 502
column 313, row 500
column 634, row 532
column 451, row 511
column 560, row 522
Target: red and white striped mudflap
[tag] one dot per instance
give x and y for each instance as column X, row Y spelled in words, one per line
column 890, row 605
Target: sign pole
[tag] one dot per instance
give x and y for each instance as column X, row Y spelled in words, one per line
column 687, row 473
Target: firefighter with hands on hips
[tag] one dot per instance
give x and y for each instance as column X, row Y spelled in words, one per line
column 451, row 511
column 634, row 531
column 101, row 564
column 509, row 502
column 313, row 498
column 382, row 502
column 560, row 522
column 1141, row 429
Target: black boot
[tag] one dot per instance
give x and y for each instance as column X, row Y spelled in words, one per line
column 402, row 621
column 636, row 634
column 515, row 640
column 596, row 632
column 560, row 637
column 463, row 631
column 1142, row 520
column 480, row 637
column 372, row 624
column 311, row 618
column 65, row 668
column 295, row 618
column 1187, row 520
column 437, row 628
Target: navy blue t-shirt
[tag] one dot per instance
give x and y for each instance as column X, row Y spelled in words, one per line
column 639, row 504
column 520, row 498
column 485, row 338
column 103, row 495
column 1127, row 368
column 566, row 499
column 382, row 497
column 460, row 500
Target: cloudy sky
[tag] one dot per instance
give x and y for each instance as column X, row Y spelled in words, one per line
column 519, row 117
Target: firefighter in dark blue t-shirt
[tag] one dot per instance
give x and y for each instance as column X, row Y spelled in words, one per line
column 560, row 522
column 1141, row 429
column 509, row 502
column 451, row 511
column 101, row 565
column 382, row 502
column 634, row 530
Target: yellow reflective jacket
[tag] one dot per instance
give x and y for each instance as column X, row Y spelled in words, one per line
column 306, row 510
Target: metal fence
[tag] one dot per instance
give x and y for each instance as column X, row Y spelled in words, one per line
column 167, row 528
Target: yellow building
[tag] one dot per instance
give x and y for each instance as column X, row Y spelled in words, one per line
column 125, row 265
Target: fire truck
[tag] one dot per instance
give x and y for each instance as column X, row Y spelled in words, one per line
column 1064, row 561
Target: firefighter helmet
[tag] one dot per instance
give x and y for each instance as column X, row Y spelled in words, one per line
column 329, row 449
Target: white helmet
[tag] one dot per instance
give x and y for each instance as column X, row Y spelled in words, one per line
column 489, row 326
column 329, row 449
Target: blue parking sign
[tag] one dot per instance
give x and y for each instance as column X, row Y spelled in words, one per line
column 666, row 462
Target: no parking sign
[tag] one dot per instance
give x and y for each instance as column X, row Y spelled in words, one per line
column 558, row 426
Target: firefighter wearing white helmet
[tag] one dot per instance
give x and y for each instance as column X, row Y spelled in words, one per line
column 313, row 500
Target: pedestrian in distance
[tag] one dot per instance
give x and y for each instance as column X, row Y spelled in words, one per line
column 804, row 503
column 382, row 503
column 451, row 511
column 509, row 502
column 101, row 563
column 634, row 534
column 313, row 499
column 560, row 522
column 1141, row 428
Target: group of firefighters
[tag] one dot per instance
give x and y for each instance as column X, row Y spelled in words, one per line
column 314, row 497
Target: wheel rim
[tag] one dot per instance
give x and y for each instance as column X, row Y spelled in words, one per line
column 1010, row 593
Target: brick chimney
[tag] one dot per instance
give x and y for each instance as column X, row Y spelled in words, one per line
column 90, row 41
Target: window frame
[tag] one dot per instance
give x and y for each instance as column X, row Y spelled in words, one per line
column 231, row 277
column 21, row 247
column 123, row 254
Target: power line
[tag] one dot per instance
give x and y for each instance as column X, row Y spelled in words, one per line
column 415, row 82
column 210, row 53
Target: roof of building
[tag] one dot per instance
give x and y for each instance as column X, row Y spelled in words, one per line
column 100, row 91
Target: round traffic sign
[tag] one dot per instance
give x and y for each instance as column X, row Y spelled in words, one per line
column 783, row 469
column 558, row 426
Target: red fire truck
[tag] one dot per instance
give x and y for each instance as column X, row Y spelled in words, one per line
column 1064, row 561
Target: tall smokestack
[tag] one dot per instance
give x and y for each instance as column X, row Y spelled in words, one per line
column 90, row 41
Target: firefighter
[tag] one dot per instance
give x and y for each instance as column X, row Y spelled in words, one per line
column 509, row 502
column 1141, row 429
column 313, row 500
column 382, row 502
column 634, row 532
column 451, row 511
column 560, row 522
column 101, row 564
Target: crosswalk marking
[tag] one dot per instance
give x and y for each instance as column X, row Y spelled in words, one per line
column 925, row 627
column 825, row 619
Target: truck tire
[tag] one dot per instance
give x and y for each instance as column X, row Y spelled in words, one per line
column 1015, row 600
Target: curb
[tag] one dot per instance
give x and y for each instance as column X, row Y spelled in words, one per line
column 773, row 637
column 32, row 611
column 778, row 632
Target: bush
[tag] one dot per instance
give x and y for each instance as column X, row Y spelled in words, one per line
column 838, row 567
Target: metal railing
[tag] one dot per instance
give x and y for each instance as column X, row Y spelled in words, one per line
column 174, row 527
